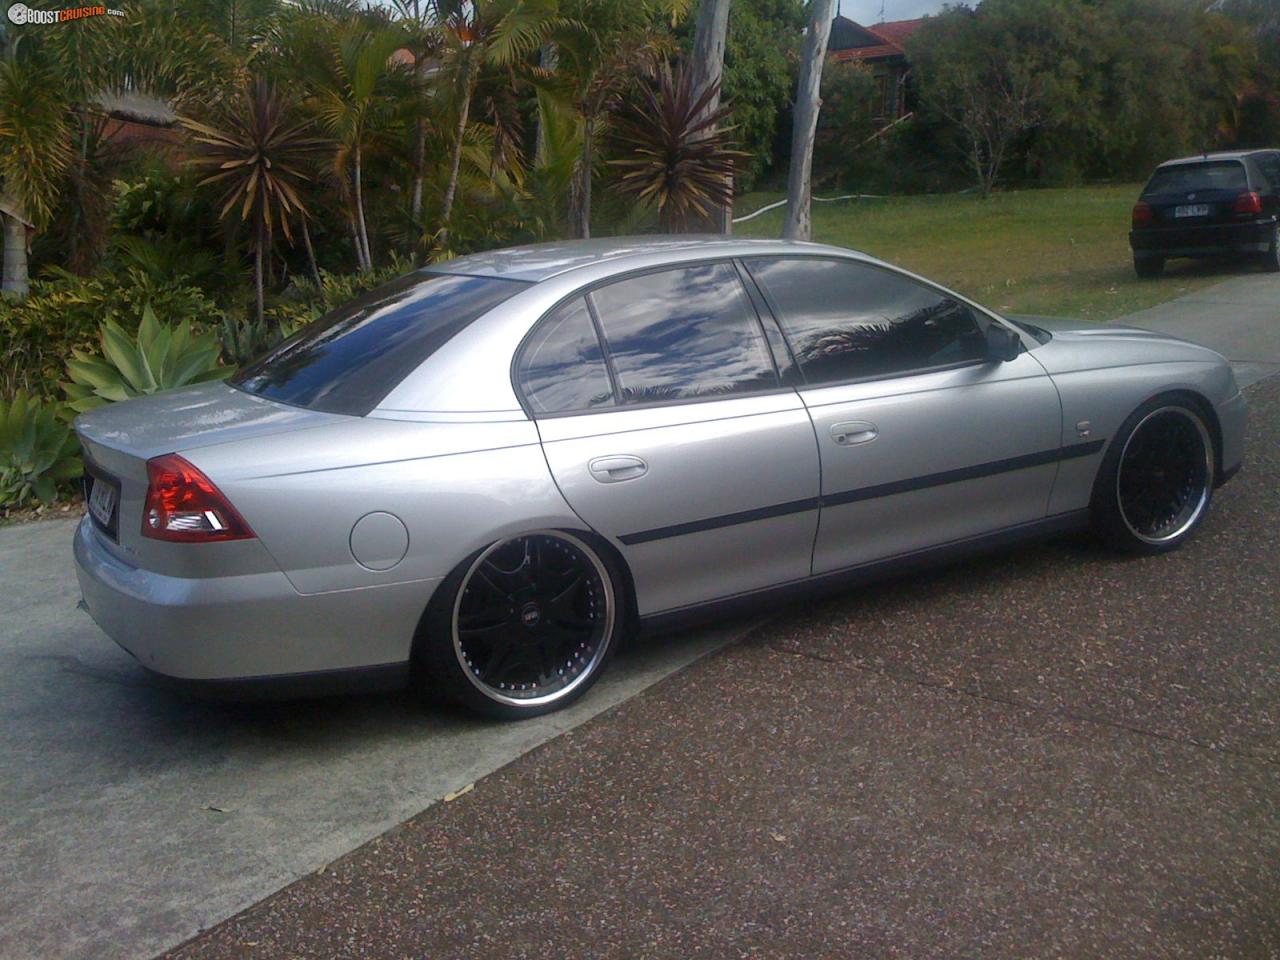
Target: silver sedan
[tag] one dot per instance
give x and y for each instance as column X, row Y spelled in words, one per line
column 480, row 477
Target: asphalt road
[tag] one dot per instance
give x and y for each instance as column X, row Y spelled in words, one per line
column 131, row 818
column 1053, row 752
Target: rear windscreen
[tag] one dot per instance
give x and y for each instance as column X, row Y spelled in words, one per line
column 1188, row 177
column 352, row 357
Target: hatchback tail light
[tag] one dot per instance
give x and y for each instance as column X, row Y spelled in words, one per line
column 1141, row 214
column 183, row 505
column 1248, row 203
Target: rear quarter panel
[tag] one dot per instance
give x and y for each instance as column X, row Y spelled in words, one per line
column 456, row 486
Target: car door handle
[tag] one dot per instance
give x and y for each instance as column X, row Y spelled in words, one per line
column 853, row 431
column 617, row 468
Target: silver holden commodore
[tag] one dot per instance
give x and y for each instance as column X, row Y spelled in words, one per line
column 480, row 476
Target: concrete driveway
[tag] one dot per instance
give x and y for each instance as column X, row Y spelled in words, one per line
column 132, row 817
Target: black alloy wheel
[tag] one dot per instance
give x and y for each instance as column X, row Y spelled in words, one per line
column 1156, row 482
column 530, row 624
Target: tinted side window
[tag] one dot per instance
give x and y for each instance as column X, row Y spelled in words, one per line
column 1270, row 164
column 351, row 358
column 683, row 334
column 562, row 367
column 848, row 320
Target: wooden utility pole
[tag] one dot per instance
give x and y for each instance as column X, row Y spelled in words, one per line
column 804, row 124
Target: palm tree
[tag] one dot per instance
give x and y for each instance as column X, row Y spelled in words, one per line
column 35, row 150
column 259, row 157
column 612, row 43
column 358, row 93
column 678, row 156
column 478, row 33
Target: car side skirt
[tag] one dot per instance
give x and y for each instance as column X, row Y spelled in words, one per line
column 837, row 580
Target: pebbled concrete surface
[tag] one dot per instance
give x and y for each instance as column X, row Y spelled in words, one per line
column 1051, row 752
column 132, row 817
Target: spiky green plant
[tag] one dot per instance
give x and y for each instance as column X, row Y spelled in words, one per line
column 259, row 158
column 38, row 451
column 680, row 155
column 160, row 357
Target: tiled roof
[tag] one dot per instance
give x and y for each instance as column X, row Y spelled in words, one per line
column 893, row 34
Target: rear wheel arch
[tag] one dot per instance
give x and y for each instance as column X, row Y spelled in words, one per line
column 432, row 671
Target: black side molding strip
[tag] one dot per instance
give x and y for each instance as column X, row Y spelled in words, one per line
column 974, row 472
column 726, row 520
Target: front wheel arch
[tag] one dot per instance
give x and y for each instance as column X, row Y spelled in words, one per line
column 1107, row 521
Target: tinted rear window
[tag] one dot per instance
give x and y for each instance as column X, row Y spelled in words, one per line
column 351, row 358
column 1186, row 177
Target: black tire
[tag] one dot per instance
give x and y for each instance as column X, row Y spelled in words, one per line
column 1271, row 259
column 1156, row 481
column 1148, row 267
column 523, row 627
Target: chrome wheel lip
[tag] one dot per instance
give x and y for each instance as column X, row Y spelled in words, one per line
column 1206, row 446
column 598, row 654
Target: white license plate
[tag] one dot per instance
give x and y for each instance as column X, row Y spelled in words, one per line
column 1192, row 210
column 102, row 502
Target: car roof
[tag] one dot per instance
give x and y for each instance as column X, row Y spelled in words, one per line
column 1217, row 155
column 540, row 261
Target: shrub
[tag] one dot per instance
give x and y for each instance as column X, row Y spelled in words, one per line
column 65, row 312
column 160, row 357
column 248, row 338
column 38, row 451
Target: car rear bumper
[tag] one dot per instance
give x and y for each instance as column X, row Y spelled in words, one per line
column 240, row 632
column 1206, row 240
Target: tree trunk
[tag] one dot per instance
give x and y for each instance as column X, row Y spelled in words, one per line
column 257, row 269
column 15, row 257
column 455, row 162
column 420, row 143
column 582, row 191
column 805, row 123
column 709, row 37
column 361, row 227
column 311, row 253
column 548, row 60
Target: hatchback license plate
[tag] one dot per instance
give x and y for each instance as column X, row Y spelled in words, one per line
column 103, row 499
column 1192, row 210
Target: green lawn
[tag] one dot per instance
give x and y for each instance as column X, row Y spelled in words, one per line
column 1051, row 252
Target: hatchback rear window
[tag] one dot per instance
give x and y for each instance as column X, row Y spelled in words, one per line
column 352, row 357
column 1187, row 177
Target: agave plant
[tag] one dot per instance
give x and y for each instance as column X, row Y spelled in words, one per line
column 37, row 451
column 160, row 357
column 680, row 155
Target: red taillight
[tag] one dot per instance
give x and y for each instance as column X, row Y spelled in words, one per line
column 184, row 505
column 1141, row 214
column 1248, row 203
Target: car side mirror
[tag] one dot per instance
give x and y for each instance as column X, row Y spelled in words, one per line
column 1002, row 343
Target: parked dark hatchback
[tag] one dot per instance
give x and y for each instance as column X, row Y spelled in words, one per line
column 1218, row 204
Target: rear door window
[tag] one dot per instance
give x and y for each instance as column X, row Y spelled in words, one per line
column 683, row 334
column 1190, row 177
column 561, row 368
column 848, row 321
column 351, row 358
